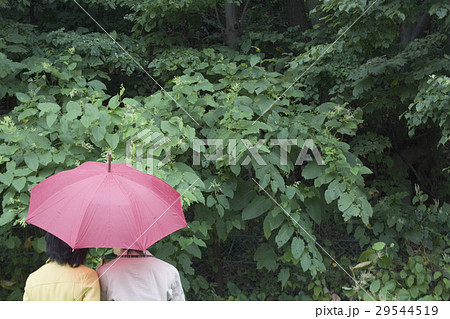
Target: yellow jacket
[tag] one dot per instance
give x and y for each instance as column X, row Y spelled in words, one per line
column 62, row 282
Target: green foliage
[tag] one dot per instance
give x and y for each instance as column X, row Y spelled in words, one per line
column 410, row 262
column 431, row 105
column 180, row 19
column 353, row 100
column 98, row 50
column 417, row 278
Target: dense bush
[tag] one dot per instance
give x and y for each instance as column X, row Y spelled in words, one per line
column 374, row 107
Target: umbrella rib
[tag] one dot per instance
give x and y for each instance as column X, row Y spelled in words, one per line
column 93, row 197
column 139, row 225
column 179, row 198
column 125, row 196
column 62, row 189
column 140, row 185
column 84, row 211
column 49, row 199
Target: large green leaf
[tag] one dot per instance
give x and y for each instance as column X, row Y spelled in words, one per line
column 244, row 194
column 87, row 119
column 22, row 97
column 254, row 59
column 39, row 244
column 19, row 183
column 48, row 107
column 315, row 208
column 194, row 250
column 335, row 189
column 265, row 257
column 73, row 109
column 344, row 202
column 113, row 140
column 378, row 246
column 51, row 118
column 114, row 102
column 284, row 234
column 283, row 276
column 59, row 156
column 7, row 217
column 258, row 206
column 98, row 132
column 6, row 178
column 311, row 171
column 305, row 262
column 297, row 247
column 32, row 161
column 374, row 286
column 27, row 113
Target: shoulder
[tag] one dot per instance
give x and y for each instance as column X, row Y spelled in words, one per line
column 43, row 271
column 85, row 272
column 85, row 269
column 164, row 265
column 33, row 278
column 104, row 268
column 101, row 269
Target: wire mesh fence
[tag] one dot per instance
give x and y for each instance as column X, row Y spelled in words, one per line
column 231, row 265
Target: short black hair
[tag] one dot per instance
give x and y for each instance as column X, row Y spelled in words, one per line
column 139, row 252
column 60, row 252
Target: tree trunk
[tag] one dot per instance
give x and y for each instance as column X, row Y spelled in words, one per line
column 218, row 263
column 297, row 14
column 32, row 17
column 232, row 25
column 410, row 31
column 311, row 5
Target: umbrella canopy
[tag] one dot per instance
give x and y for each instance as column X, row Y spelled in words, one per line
column 93, row 206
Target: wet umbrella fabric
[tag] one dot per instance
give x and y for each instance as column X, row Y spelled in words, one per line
column 91, row 207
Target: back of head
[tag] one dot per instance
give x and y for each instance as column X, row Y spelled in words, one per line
column 60, row 252
column 122, row 251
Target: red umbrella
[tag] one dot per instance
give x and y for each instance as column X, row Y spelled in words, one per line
column 106, row 205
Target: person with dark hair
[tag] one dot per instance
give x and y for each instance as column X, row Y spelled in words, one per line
column 63, row 277
column 138, row 275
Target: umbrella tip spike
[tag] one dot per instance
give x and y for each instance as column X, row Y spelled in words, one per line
column 109, row 162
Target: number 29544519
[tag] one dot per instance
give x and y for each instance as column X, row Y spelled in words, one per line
column 405, row 310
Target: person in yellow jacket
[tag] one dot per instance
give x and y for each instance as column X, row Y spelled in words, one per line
column 63, row 277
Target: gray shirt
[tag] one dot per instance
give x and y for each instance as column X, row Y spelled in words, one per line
column 142, row 278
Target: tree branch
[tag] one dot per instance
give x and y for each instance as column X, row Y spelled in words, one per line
column 243, row 13
column 218, row 18
column 420, row 180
